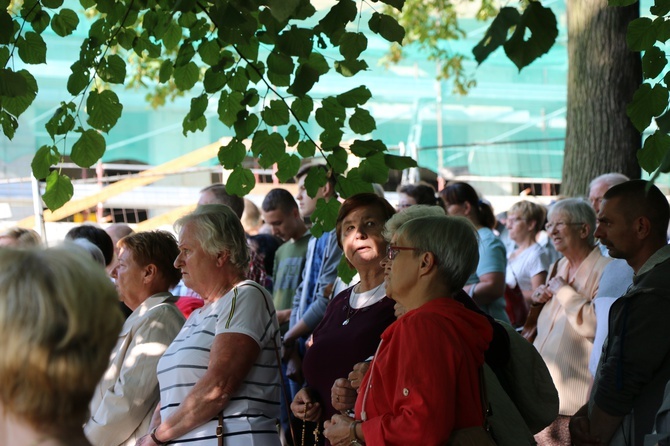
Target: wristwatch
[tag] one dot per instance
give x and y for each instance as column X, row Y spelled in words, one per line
column 354, row 438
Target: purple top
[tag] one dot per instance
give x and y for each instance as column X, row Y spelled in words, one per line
column 338, row 347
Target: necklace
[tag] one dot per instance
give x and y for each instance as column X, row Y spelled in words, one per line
column 351, row 313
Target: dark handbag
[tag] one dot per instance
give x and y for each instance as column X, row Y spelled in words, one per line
column 476, row 435
column 529, row 330
column 515, row 305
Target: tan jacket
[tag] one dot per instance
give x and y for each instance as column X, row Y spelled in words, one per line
column 566, row 328
column 127, row 395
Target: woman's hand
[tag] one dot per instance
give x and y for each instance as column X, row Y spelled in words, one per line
column 555, row 284
column 338, row 430
column 357, row 374
column 294, row 368
column 342, row 395
column 541, row 294
column 304, row 407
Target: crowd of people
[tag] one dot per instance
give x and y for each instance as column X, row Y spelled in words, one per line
column 238, row 330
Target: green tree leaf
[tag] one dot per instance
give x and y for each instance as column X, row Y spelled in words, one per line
column 295, row 42
column 88, row 149
column 232, row 154
column 399, row 162
column 353, row 185
column 621, row 2
column 306, row 148
column 172, row 37
column 362, row 122
column 338, row 160
column 497, row 33
column 283, row 9
column 59, row 190
column 344, row 271
column 280, row 63
column 52, row 4
column 302, row 108
column 275, row 114
column 104, row 110
column 239, row 81
column 32, row 49
column 352, row 98
column 65, row 22
column 331, row 113
column 62, row 120
column 352, row 45
column 246, row 126
column 364, row 148
column 653, row 62
column 541, row 22
column 269, row 147
column 17, row 105
column 199, row 106
column 190, row 124
column 333, row 24
column 373, row 169
column 241, row 181
column 40, row 22
column 186, row 76
column 6, row 27
column 230, row 104
column 387, row 27
column 292, row 136
column 44, row 158
column 641, row 34
column 647, row 102
column 9, row 124
column 113, row 69
column 305, row 78
column 287, row 167
column 324, row 215
column 331, row 138
column 165, row 72
column 78, row 80
column 651, row 155
column 12, row 84
column 348, row 68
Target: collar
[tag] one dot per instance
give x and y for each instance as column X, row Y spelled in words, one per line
column 659, row 256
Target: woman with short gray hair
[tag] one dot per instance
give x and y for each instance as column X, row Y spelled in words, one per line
column 566, row 325
column 220, row 376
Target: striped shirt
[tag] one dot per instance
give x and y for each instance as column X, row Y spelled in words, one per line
column 250, row 416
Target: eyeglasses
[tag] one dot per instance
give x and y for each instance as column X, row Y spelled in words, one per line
column 514, row 220
column 392, row 251
column 559, row 225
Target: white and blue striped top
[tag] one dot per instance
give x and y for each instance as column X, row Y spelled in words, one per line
column 250, row 416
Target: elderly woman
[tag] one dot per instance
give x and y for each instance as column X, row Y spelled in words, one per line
column 59, row 319
column 486, row 286
column 220, row 375
column 356, row 317
column 415, row 393
column 567, row 323
column 20, row 238
column 125, row 398
column 528, row 264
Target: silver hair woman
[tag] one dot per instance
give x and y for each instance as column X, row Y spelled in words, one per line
column 59, row 319
column 405, row 397
column 221, row 371
column 566, row 325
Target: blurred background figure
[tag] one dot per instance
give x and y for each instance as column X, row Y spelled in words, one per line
column 126, row 397
column 487, row 285
column 116, row 232
column 566, row 325
column 20, row 238
column 413, row 194
column 59, row 319
column 528, row 264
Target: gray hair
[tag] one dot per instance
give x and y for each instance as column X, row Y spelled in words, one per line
column 95, row 252
column 576, row 210
column 412, row 212
column 217, row 229
column 611, row 179
column 453, row 241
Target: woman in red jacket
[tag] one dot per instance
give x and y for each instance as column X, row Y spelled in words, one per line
column 423, row 383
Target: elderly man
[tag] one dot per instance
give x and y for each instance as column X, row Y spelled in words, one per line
column 124, row 400
column 635, row 364
column 617, row 275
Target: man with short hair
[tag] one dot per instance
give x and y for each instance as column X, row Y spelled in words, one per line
column 280, row 212
column 635, row 364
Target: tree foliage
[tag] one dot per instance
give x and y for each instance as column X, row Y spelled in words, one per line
column 256, row 61
column 649, row 108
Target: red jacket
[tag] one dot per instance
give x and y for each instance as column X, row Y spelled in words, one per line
column 425, row 376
